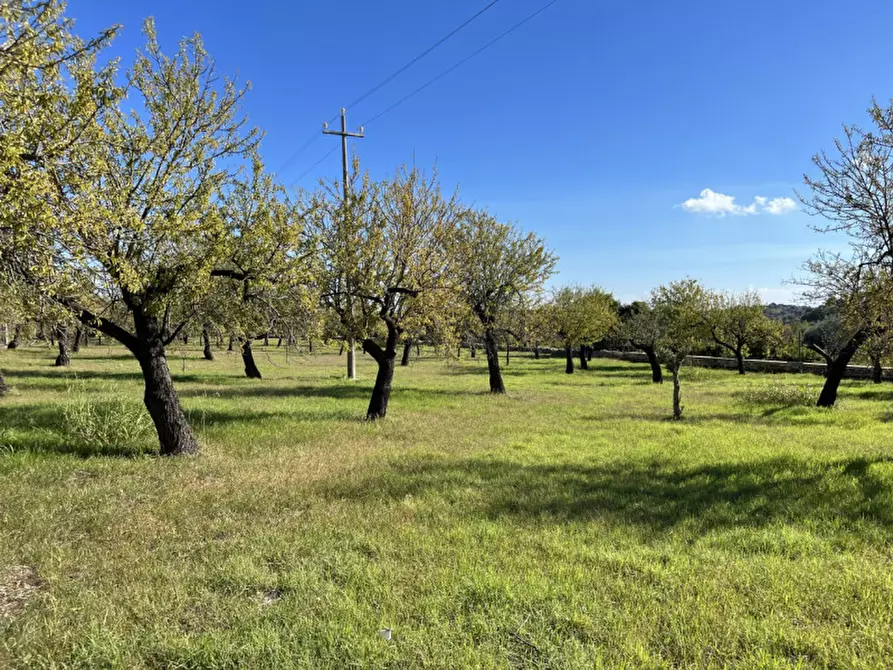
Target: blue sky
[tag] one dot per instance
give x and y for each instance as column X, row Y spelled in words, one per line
column 592, row 124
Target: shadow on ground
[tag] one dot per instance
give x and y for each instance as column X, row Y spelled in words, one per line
column 656, row 496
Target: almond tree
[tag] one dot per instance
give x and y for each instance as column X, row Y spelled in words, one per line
column 136, row 216
column 578, row 316
column 737, row 322
column 640, row 327
column 678, row 310
column 387, row 265
column 498, row 270
column 853, row 192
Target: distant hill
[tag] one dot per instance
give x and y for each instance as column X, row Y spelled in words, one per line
column 791, row 313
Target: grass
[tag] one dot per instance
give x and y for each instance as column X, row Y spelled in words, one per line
column 567, row 525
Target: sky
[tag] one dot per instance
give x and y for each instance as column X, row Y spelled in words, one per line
column 645, row 141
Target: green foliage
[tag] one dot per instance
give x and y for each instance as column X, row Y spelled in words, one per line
column 579, row 315
column 679, row 309
column 498, row 269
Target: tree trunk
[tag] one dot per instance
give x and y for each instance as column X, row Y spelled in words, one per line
column 4, row 388
column 341, row 349
column 657, row 374
column 837, row 370
column 877, row 371
column 279, row 342
column 569, row 356
column 588, row 353
column 584, row 361
column 490, row 347
column 76, row 340
column 310, row 345
column 266, row 339
column 206, row 341
column 16, row 337
column 251, row 370
column 739, row 357
column 536, row 352
column 352, row 359
column 418, row 349
column 63, row 359
column 508, row 352
column 86, row 337
column 4, row 335
column 381, row 392
column 175, row 436
column 474, row 351
column 407, row 347
column 677, row 394
column 229, row 347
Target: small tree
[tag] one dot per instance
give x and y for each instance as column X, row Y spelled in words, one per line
column 737, row 322
column 579, row 316
column 498, row 269
column 640, row 327
column 678, row 309
column 387, row 265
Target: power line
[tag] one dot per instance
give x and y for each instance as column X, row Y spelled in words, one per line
column 387, row 80
column 415, row 60
column 298, row 153
column 310, row 169
column 461, row 62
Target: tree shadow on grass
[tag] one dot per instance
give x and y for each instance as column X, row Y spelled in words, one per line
column 338, row 392
column 655, row 496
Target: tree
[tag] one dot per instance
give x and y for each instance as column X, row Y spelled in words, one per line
column 854, row 193
column 136, row 219
column 386, row 265
column 678, row 311
column 639, row 327
column 737, row 322
column 580, row 315
column 498, row 270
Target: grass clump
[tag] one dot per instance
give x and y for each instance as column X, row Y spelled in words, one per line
column 104, row 422
column 778, row 393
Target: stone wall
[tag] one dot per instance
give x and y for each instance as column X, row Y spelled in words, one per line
column 750, row 365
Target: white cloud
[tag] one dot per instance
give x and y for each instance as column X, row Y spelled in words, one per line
column 712, row 202
column 720, row 204
column 780, row 206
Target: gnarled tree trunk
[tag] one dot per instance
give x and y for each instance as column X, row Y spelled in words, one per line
column 657, row 374
column 407, row 349
column 381, row 392
column 175, row 435
column 229, row 347
column 877, row 371
column 490, row 347
column 569, row 359
column 739, row 358
column 677, row 393
column 76, row 340
column 251, row 370
column 474, row 351
column 584, row 361
column 836, row 368
column 16, row 337
column 206, row 341
column 63, row 359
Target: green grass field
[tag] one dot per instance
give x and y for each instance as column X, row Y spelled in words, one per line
column 567, row 525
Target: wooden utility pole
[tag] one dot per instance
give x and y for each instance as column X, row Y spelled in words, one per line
column 343, row 134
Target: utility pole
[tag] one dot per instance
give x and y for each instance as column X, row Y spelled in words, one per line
column 343, row 134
